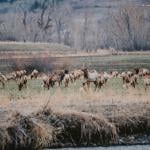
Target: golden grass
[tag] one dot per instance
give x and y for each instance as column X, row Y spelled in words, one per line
column 61, row 116
column 96, row 118
column 106, row 101
column 30, row 50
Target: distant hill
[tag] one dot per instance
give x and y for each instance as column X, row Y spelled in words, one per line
column 29, row 47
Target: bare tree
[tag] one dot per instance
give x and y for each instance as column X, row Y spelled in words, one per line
column 128, row 29
column 24, row 20
column 61, row 18
column 44, row 21
column 85, row 30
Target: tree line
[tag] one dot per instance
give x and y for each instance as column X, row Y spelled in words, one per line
column 54, row 21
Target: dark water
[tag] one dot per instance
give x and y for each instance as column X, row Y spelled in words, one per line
column 145, row 147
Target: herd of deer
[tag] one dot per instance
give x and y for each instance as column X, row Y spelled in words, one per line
column 20, row 76
column 60, row 77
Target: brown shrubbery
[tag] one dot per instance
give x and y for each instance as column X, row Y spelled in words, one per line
column 45, row 64
column 47, row 129
column 79, row 129
column 41, row 64
column 22, row 133
column 130, row 125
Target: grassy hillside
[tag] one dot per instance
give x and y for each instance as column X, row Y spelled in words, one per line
column 108, row 63
column 59, row 117
column 99, row 62
column 29, row 46
column 17, row 54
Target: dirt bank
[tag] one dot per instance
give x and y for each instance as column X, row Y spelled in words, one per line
column 48, row 129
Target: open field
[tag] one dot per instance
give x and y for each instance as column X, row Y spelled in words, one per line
column 111, row 115
column 33, row 47
column 74, row 74
column 35, row 88
column 16, row 55
column 35, row 118
column 73, row 98
column 99, row 62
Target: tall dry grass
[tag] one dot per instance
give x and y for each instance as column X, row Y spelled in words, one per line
column 110, row 100
column 61, row 116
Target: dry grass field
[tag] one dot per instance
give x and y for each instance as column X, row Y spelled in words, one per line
column 16, row 55
column 74, row 73
column 35, row 118
column 73, row 98
column 111, row 115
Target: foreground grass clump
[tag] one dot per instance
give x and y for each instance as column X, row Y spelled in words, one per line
column 48, row 129
column 131, row 125
column 22, row 132
column 79, row 129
